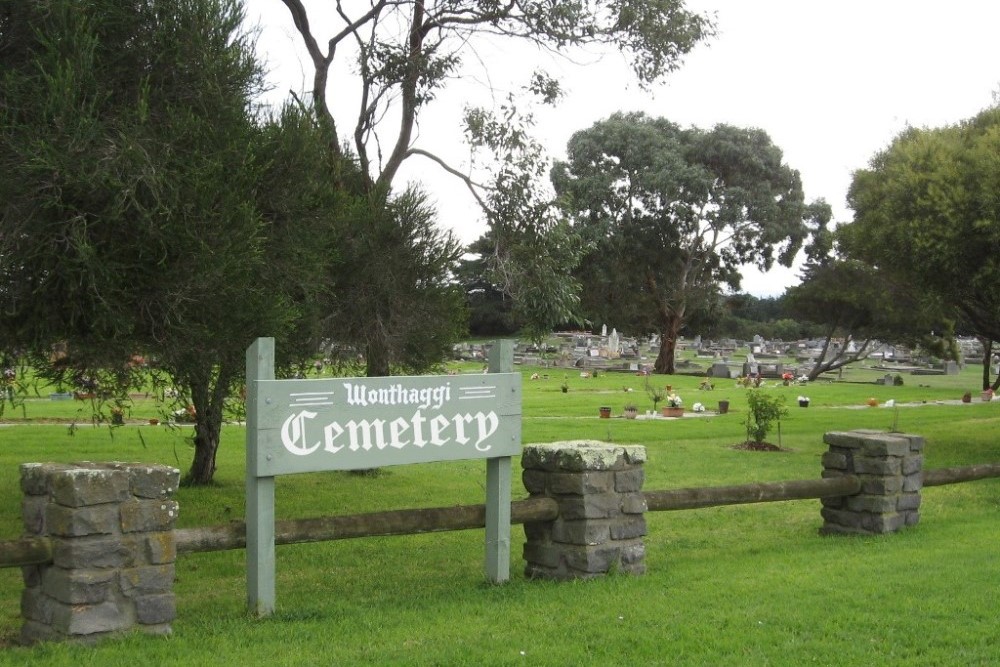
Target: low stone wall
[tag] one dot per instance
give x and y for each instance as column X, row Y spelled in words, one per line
column 113, row 551
column 113, row 545
column 600, row 524
column 890, row 466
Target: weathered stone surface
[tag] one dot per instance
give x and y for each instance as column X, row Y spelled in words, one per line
column 155, row 609
column 92, row 619
column 35, row 477
column 81, row 487
column 634, row 503
column 545, row 555
column 101, row 580
column 885, row 445
column 582, row 483
column 149, row 580
column 597, row 560
column 881, row 485
column 32, row 575
column 595, row 484
column 36, row 606
column 581, row 532
column 874, row 504
column 883, row 523
column 890, row 467
column 595, row 506
column 912, row 464
column 99, row 551
column 868, row 465
column 632, row 527
column 844, row 439
column 160, row 548
column 33, row 514
column 580, row 455
column 148, row 515
column 538, row 530
column 76, row 522
column 153, row 481
column 835, row 460
column 629, row 481
column 33, row 632
column 75, row 587
column 633, row 552
column 534, row 481
column 913, row 483
column 835, row 502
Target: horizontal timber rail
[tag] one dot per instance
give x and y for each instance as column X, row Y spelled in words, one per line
column 375, row 524
column 713, row 496
column 38, row 550
column 942, row 476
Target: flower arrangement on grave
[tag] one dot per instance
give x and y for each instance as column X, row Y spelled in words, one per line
column 674, row 400
column 698, row 407
column 803, row 401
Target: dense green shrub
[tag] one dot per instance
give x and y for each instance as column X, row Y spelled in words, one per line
column 763, row 410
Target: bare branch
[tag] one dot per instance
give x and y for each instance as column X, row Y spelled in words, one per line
column 469, row 183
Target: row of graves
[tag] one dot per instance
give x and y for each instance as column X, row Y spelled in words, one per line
column 724, row 358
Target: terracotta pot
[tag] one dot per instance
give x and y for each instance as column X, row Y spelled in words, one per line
column 673, row 412
column 605, row 413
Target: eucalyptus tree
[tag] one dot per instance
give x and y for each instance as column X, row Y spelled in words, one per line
column 927, row 216
column 673, row 213
column 394, row 56
column 146, row 210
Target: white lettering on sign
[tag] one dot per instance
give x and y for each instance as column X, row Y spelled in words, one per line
column 397, row 394
column 368, row 434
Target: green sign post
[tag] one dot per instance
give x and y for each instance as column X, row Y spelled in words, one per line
column 296, row 426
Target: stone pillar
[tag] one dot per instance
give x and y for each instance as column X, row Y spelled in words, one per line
column 890, row 466
column 113, row 550
column 600, row 526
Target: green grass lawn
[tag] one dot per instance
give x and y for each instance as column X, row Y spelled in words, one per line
column 745, row 585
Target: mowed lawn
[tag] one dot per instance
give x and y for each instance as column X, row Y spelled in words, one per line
column 744, row 585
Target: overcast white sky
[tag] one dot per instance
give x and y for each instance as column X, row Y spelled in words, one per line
column 831, row 82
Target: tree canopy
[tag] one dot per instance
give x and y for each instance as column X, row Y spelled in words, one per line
column 146, row 209
column 407, row 51
column 927, row 216
column 672, row 214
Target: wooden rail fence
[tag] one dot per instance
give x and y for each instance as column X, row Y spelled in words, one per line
column 38, row 550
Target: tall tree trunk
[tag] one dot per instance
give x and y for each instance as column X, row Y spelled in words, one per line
column 668, row 345
column 377, row 358
column 987, row 362
column 206, row 446
column 208, row 400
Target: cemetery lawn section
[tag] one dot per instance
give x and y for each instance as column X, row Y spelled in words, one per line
column 741, row 585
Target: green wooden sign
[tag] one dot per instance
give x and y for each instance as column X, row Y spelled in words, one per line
column 360, row 423
column 296, row 426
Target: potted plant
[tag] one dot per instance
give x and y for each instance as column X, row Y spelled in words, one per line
column 803, row 401
column 605, row 412
column 674, row 406
column 987, row 394
column 967, row 397
column 631, row 411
